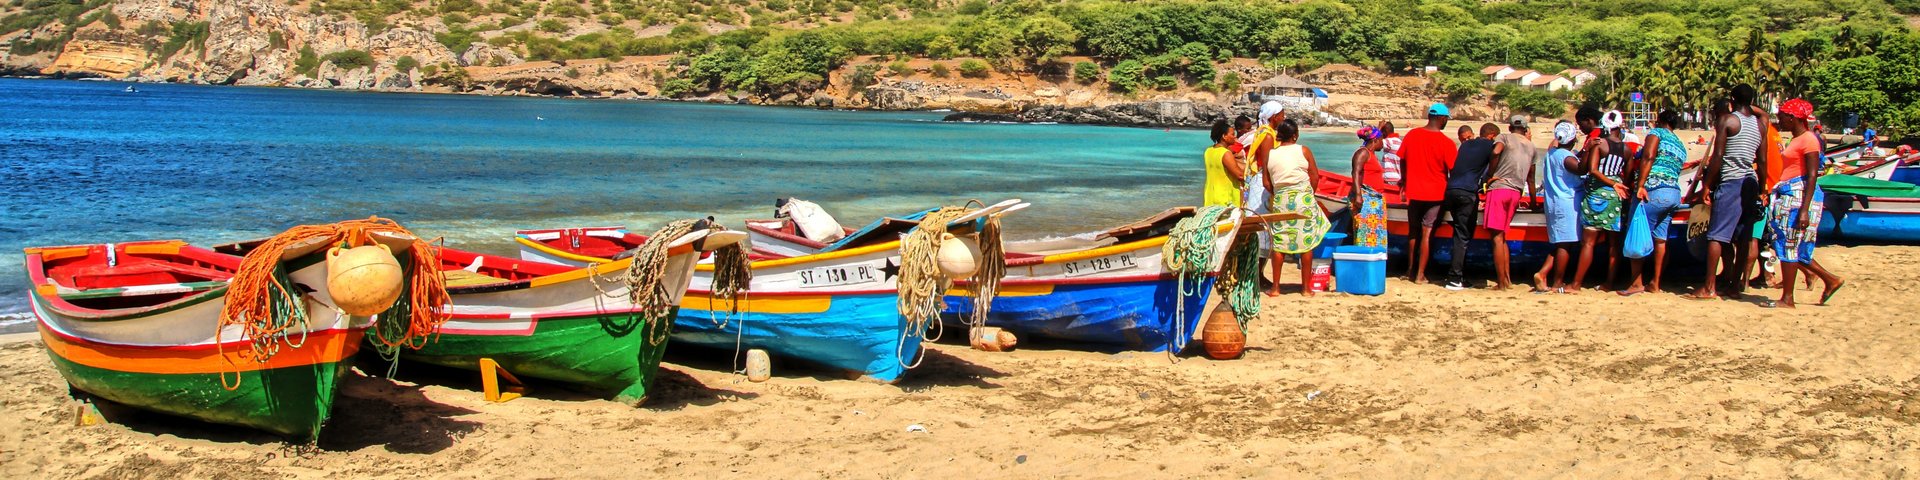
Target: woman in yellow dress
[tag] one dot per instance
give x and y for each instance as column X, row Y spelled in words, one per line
column 1226, row 171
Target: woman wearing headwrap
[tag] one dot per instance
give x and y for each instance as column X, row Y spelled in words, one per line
column 1795, row 210
column 1258, row 149
column 1561, row 192
column 1368, row 205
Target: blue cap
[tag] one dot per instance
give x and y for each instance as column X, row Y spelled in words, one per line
column 1439, row 109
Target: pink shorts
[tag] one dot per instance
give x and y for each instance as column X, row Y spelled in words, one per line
column 1501, row 203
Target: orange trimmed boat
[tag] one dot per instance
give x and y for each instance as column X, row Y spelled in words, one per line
column 140, row 324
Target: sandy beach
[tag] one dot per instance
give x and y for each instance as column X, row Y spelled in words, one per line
column 1420, row 382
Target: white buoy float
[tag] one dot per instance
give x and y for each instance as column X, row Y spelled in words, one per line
column 759, row 367
column 959, row 256
column 364, row 280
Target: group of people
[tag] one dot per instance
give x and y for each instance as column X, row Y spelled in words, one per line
column 1601, row 185
column 1260, row 165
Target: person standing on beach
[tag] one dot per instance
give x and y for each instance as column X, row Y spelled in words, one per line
column 1605, row 161
column 1291, row 171
column 1462, row 198
column 1428, row 154
column 1562, row 193
column 1797, row 205
column 1732, row 192
column 1659, row 194
column 1369, row 207
column 1512, row 173
column 1260, row 150
column 1389, row 155
column 1226, row 172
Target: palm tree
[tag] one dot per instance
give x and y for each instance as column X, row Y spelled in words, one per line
column 1759, row 63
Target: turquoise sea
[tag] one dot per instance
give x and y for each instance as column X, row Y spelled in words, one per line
column 86, row 162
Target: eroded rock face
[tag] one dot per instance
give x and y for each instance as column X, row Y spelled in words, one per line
column 102, row 53
column 481, row 54
column 890, row 98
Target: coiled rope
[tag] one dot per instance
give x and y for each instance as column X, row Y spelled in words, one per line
column 647, row 292
column 270, row 312
column 1189, row 254
column 923, row 287
column 985, row 282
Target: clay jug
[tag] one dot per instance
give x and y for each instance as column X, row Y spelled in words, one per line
column 1222, row 335
column 759, row 367
column 364, row 280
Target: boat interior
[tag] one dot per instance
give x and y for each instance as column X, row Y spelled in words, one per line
column 134, row 275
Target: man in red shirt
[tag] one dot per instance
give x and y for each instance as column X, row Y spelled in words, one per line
column 1428, row 154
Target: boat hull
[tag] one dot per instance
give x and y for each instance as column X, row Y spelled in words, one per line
column 175, row 358
column 292, row 400
column 1872, row 227
column 857, row 333
column 1144, row 314
column 576, row 327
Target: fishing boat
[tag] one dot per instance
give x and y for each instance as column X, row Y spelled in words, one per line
column 1870, row 211
column 563, row 323
column 1527, row 237
column 139, row 324
column 1109, row 288
column 838, row 309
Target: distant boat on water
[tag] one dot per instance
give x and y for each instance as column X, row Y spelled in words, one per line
column 132, row 89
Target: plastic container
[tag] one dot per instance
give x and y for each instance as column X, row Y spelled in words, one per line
column 1361, row 270
column 1322, row 275
column 1328, row 243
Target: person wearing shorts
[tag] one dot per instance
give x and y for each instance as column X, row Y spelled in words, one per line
column 1659, row 195
column 1512, row 173
column 1427, row 154
column 1733, row 194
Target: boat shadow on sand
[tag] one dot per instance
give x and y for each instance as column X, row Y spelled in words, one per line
column 938, row 369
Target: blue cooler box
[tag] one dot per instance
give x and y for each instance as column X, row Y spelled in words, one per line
column 1360, row 270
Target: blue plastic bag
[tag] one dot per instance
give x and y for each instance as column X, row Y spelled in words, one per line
column 1639, row 241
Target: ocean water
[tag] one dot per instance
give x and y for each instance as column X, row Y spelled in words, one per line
column 85, row 162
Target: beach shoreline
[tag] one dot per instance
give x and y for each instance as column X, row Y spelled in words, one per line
column 1420, row 382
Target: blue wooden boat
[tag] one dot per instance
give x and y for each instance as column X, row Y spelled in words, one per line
column 835, row 309
column 1108, row 288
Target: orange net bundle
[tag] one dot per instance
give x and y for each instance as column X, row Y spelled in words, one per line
column 263, row 302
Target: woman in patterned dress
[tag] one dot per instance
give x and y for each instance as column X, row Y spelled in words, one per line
column 1290, row 173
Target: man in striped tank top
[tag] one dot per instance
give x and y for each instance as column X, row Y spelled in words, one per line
column 1733, row 193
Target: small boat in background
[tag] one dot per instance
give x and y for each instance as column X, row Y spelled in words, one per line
column 1527, row 238
column 1870, row 211
column 838, row 309
column 131, row 89
column 139, row 323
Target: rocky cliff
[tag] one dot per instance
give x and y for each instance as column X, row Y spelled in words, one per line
column 289, row 43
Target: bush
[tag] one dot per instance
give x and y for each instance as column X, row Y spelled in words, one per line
column 676, row 88
column 405, row 64
column 1166, row 82
column 900, row 68
column 973, row 68
column 552, row 26
column 863, row 76
column 1230, row 82
column 1086, row 72
column 1126, row 76
column 307, row 62
column 573, row 72
column 350, row 59
column 939, row 70
column 943, row 47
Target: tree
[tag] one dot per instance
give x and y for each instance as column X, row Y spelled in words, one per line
column 1086, row 72
column 973, row 68
column 1851, row 85
column 406, row 64
column 1044, row 38
column 1535, row 103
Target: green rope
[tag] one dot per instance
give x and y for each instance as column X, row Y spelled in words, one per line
column 1240, row 281
column 1189, row 254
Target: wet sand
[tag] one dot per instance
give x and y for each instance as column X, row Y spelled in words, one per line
column 1420, row 382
